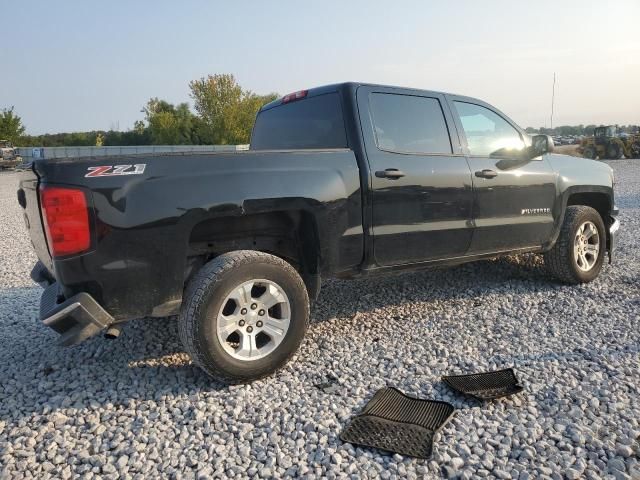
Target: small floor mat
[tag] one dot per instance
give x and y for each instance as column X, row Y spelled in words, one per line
column 398, row 423
column 485, row 386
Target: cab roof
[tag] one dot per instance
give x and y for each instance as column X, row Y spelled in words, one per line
column 337, row 87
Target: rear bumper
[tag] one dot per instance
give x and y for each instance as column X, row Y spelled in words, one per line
column 613, row 237
column 75, row 319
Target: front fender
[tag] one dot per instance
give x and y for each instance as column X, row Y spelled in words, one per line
column 580, row 176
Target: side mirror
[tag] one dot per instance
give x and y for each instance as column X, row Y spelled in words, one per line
column 541, row 144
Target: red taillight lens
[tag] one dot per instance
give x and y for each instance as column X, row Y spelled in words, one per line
column 66, row 220
column 294, row 96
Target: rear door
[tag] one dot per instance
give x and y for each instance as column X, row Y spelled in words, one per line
column 513, row 198
column 420, row 181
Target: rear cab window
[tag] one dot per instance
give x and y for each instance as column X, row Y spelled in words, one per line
column 314, row 122
column 409, row 124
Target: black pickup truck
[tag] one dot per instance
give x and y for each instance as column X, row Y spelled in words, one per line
column 345, row 181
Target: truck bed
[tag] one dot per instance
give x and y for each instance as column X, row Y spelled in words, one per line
column 145, row 225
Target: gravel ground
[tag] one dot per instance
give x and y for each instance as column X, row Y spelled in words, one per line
column 137, row 408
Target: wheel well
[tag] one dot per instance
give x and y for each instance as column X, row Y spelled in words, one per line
column 595, row 200
column 290, row 235
column 599, row 202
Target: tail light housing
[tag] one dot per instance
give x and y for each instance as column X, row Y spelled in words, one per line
column 65, row 215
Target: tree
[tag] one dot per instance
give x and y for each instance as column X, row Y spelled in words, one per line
column 138, row 127
column 168, row 124
column 226, row 110
column 11, row 127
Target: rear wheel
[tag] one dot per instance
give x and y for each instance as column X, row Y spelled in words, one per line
column 245, row 314
column 578, row 254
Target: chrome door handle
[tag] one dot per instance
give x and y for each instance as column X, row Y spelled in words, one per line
column 391, row 173
column 486, row 174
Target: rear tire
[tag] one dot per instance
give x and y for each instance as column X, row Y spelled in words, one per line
column 226, row 323
column 579, row 251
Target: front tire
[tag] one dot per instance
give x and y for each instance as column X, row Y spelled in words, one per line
column 590, row 153
column 244, row 315
column 614, row 152
column 579, row 251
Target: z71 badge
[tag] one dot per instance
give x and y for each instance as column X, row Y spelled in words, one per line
column 113, row 170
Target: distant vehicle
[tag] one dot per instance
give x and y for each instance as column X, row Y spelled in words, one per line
column 346, row 181
column 8, row 155
column 606, row 143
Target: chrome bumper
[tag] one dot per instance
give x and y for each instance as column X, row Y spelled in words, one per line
column 613, row 237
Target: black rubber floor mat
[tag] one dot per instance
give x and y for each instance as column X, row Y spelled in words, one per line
column 397, row 423
column 486, row 386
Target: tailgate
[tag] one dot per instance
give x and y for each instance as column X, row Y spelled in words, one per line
column 29, row 200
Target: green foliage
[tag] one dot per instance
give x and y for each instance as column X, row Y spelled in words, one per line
column 168, row 124
column 224, row 114
column 226, row 110
column 11, row 127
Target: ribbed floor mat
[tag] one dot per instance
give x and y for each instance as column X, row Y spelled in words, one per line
column 485, row 386
column 397, row 423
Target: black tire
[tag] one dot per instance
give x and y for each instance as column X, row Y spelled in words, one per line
column 560, row 259
column 589, row 152
column 614, row 151
column 204, row 296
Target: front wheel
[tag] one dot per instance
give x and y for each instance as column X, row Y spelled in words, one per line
column 589, row 152
column 579, row 251
column 244, row 315
column 614, row 152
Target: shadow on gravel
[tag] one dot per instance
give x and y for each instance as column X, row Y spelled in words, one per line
column 39, row 376
column 147, row 361
column 467, row 282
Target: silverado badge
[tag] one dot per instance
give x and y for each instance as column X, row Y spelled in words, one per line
column 535, row 211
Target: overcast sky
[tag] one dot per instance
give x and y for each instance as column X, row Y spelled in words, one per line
column 82, row 65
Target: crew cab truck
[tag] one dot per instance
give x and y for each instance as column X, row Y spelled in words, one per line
column 346, row 180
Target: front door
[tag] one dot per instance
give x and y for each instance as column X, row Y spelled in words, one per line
column 421, row 190
column 513, row 197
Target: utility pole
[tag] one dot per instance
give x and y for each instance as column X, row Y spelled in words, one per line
column 553, row 97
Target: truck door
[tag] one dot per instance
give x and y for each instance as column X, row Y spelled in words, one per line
column 513, row 197
column 421, row 187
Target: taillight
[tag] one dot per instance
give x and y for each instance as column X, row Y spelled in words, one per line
column 66, row 220
column 294, row 96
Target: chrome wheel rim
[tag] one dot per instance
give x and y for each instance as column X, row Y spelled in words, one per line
column 253, row 319
column 586, row 246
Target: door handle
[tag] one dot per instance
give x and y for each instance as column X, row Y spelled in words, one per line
column 486, row 174
column 391, row 173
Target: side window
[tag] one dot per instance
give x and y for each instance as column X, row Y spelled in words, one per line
column 486, row 131
column 409, row 124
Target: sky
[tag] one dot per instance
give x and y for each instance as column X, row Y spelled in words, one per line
column 79, row 65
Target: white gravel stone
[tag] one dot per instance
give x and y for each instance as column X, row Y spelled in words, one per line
column 81, row 412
